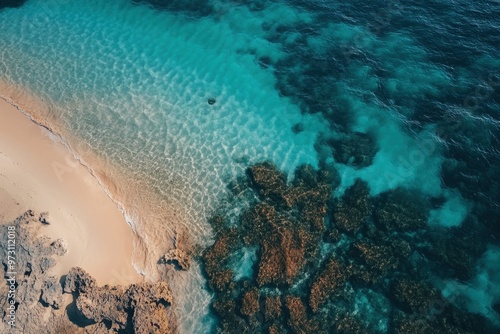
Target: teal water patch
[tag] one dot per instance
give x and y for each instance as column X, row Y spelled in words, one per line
column 133, row 85
column 482, row 293
column 452, row 213
column 242, row 262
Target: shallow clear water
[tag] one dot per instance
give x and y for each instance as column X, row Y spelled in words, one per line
column 131, row 82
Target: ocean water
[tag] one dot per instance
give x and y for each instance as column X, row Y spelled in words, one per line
column 126, row 83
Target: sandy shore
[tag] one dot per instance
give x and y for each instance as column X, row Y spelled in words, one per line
column 38, row 172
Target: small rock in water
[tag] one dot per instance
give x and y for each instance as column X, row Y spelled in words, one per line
column 211, row 101
column 298, row 128
column 44, row 218
column 178, row 257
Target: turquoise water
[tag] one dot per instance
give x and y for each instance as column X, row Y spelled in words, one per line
column 129, row 83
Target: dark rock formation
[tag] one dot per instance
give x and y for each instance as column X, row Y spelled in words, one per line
column 298, row 128
column 413, row 296
column 357, row 149
column 398, row 211
column 211, row 101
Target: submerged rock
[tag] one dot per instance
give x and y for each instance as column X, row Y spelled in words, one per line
column 357, row 149
column 298, row 128
column 352, row 211
column 399, row 211
column 298, row 320
column 250, row 302
column 211, row 101
column 328, row 282
column 272, row 308
column 316, row 255
column 268, row 181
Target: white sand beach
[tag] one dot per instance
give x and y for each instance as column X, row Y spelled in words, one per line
column 38, row 172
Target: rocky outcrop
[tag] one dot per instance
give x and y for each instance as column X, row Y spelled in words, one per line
column 141, row 308
column 51, row 292
column 44, row 218
column 144, row 303
column 37, row 294
column 178, row 257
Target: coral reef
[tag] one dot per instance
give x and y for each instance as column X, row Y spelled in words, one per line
column 322, row 261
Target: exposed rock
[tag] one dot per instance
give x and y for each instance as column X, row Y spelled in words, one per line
column 147, row 303
column 178, row 257
column 52, row 292
column 77, row 280
column 35, row 290
column 60, row 247
column 142, row 308
column 44, row 218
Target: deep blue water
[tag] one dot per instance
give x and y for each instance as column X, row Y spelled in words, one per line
column 417, row 83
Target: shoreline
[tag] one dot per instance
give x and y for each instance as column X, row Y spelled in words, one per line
column 38, row 171
column 137, row 200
